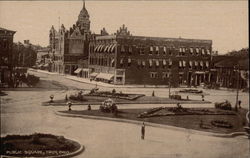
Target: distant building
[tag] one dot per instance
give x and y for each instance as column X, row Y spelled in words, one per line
column 231, row 70
column 6, row 55
column 125, row 59
column 68, row 47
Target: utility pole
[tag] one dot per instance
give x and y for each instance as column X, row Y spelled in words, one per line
column 169, row 85
column 237, row 87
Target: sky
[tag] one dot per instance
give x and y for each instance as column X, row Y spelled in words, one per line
column 224, row 22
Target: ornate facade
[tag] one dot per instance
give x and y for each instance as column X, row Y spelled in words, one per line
column 70, row 46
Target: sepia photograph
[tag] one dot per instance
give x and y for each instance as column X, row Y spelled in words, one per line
column 124, row 79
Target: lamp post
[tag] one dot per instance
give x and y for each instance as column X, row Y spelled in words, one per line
column 169, row 85
column 237, row 86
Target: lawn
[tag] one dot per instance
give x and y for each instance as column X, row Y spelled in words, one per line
column 184, row 120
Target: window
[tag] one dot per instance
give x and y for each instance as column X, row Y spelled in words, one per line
column 141, row 50
column 201, row 64
column 138, row 63
column 207, row 64
column 170, row 63
column 150, row 63
column 122, row 48
column 197, row 51
column 121, row 62
column 157, row 50
column 203, row 51
column 153, row 74
column 164, row 63
column 180, row 64
column 143, row 63
column 190, row 64
column 191, row 50
column 157, row 63
column 208, row 51
column 184, row 64
column 130, row 49
column 151, row 49
column 164, row 50
column 129, row 62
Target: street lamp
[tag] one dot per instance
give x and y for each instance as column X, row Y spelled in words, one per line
column 237, row 67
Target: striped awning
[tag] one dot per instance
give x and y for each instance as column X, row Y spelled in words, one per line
column 94, row 74
column 112, row 48
column 105, row 76
column 78, row 70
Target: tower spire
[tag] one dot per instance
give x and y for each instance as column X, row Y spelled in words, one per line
column 83, row 3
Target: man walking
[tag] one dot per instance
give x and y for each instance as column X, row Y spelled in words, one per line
column 143, row 131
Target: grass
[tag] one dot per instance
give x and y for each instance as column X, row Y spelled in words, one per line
column 141, row 100
column 188, row 121
column 37, row 145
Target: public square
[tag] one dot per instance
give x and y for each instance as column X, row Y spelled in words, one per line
column 22, row 113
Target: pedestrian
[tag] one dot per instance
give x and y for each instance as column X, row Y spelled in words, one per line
column 153, row 93
column 69, row 104
column 239, row 104
column 187, row 97
column 89, row 107
column 143, row 131
column 202, row 96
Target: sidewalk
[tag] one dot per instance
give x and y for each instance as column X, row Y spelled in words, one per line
column 86, row 80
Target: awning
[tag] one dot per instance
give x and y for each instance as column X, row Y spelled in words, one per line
column 112, row 49
column 184, row 63
column 190, row 63
column 164, row 62
column 96, row 48
column 110, row 46
column 180, row 63
column 106, row 48
column 46, row 65
column 94, row 74
column 78, row 70
column 143, row 63
column 157, row 63
column 129, row 60
column 85, row 69
column 170, row 62
column 105, row 76
column 199, row 72
column 150, row 62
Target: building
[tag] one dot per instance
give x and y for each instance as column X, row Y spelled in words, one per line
column 6, row 55
column 122, row 58
column 231, row 71
column 69, row 47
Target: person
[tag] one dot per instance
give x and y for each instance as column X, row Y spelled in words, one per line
column 89, row 107
column 69, row 104
column 187, row 97
column 143, row 131
column 202, row 96
column 239, row 103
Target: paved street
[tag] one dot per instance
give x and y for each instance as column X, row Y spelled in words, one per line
column 21, row 112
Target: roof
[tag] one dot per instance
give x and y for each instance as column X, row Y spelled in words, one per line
column 230, row 62
column 3, row 29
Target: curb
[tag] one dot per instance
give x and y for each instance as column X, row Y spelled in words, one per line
column 98, row 103
column 191, row 131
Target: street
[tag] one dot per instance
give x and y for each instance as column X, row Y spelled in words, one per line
column 22, row 113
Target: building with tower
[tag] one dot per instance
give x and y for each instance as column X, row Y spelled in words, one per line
column 68, row 47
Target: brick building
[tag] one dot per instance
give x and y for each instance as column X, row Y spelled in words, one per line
column 6, row 54
column 125, row 59
column 70, row 46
